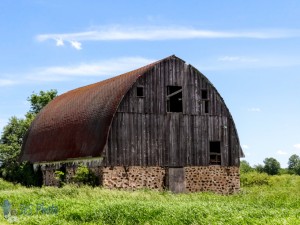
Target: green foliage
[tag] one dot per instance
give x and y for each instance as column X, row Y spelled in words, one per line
column 10, row 148
column 38, row 101
column 254, row 179
column 60, row 176
column 294, row 164
column 84, row 175
column 259, row 168
column 12, row 139
column 283, row 171
column 272, row 166
column 245, row 167
column 277, row 203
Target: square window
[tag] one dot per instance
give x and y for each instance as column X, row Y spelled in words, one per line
column 174, row 99
column 204, row 94
column 140, row 91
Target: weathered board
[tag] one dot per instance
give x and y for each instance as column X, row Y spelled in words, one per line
column 143, row 133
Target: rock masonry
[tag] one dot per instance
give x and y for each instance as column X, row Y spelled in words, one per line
column 218, row 179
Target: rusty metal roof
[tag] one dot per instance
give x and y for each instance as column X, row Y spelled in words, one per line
column 76, row 124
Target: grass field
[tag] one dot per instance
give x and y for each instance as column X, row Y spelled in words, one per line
column 275, row 203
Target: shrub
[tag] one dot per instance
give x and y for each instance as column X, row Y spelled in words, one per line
column 60, row 176
column 84, row 175
column 254, row 178
column 245, row 167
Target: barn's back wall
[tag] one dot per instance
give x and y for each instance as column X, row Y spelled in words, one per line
column 144, row 133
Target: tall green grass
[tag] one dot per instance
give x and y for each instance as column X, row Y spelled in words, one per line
column 277, row 202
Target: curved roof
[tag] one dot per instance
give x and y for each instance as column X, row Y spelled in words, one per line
column 78, row 120
column 76, row 124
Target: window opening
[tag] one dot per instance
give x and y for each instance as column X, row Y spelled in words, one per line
column 215, row 153
column 206, row 106
column 174, row 99
column 204, row 94
column 140, row 91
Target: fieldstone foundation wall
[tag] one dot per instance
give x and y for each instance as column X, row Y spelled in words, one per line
column 218, row 179
column 133, row 177
column 49, row 177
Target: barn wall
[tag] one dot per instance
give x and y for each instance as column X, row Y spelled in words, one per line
column 144, row 134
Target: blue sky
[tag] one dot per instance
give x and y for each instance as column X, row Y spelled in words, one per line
column 248, row 50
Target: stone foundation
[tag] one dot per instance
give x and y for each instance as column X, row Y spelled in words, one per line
column 218, row 179
column 134, row 177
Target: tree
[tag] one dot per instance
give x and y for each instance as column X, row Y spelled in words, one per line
column 12, row 139
column 294, row 164
column 259, row 168
column 245, row 167
column 272, row 166
column 38, row 101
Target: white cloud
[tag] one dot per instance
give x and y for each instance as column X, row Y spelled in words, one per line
column 76, row 45
column 6, row 82
column 297, row 146
column 59, row 42
column 254, row 109
column 280, row 152
column 237, row 59
column 101, row 68
column 245, row 147
column 117, row 33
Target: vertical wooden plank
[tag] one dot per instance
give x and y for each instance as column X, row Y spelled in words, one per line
column 205, row 138
column 133, row 129
column 118, row 139
column 224, row 141
column 151, row 144
column 167, row 139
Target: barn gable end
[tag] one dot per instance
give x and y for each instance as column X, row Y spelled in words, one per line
column 163, row 125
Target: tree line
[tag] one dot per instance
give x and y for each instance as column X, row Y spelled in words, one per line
column 272, row 167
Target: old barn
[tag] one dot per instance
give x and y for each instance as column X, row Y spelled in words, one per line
column 161, row 126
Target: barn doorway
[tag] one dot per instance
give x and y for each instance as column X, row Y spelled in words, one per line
column 175, row 179
column 174, row 99
column 215, row 153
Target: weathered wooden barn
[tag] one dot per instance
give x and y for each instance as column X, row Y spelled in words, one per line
column 161, row 126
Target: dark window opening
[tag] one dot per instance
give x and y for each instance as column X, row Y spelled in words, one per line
column 214, row 153
column 174, row 99
column 140, row 91
column 204, row 94
column 206, row 106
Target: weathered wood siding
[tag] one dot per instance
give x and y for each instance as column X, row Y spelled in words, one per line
column 143, row 133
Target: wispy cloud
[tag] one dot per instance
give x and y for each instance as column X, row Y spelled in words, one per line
column 245, row 147
column 254, row 109
column 76, row 45
column 59, row 42
column 119, row 33
column 6, row 82
column 280, row 152
column 297, row 146
column 104, row 68
column 237, row 59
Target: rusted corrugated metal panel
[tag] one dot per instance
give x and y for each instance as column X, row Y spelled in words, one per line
column 76, row 124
